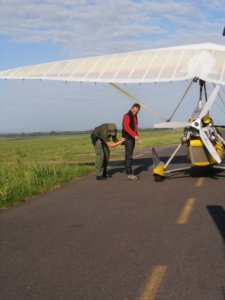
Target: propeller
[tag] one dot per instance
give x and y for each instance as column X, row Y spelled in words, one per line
column 198, row 124
column 197, row 116
column 210, row 101
column 209, row 145
column 206, row 141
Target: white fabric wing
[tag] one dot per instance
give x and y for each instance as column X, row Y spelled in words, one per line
column 205, row 61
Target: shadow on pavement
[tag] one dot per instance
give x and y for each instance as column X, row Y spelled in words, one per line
column 143, row 165
column 223, row 291
column 139, row 165
column 218, row 215
column 196, row 172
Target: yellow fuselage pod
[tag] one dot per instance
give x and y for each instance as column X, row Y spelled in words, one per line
column 200, row 156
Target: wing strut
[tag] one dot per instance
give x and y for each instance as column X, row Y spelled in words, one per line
column 181, row 100
column 220, row 96
column 172, row 156
column 138, row 101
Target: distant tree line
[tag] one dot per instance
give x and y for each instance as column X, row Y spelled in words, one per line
column 57, row 133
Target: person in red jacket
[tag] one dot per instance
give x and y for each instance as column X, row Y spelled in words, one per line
column 130, row 133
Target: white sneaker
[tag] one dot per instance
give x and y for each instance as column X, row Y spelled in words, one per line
column 132, row 177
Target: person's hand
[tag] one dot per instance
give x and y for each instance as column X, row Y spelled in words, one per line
column 122, row 140
column 138, row 139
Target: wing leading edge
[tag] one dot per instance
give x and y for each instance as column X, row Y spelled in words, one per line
column 205, row 61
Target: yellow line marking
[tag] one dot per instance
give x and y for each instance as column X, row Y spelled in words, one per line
column 186, row 211
column 200, row 182
column 152, row 284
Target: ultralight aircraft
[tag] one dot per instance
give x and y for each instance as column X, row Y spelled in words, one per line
column 201, row 63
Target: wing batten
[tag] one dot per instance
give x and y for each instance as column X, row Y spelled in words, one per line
column 164, row 65
column 104, row 69
column 116, row 74
column 136, row 65
column 68, row 63
column 74, row 72
column 178, row 64
column 149, row 66
column 86, row 76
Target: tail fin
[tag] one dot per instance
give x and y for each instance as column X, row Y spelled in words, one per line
column 158, row 167
column 155, row 157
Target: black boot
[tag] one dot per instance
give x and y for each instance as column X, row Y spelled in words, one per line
column 100, row 178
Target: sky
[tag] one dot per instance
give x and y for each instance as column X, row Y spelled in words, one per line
column 39, row 31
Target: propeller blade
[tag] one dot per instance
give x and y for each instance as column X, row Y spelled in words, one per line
column 172, row 125
column 209, row 145
column 210, row 101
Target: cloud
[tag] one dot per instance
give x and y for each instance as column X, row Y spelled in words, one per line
column 88, row 27
column 35, row 31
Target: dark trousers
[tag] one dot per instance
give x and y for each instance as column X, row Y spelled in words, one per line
column 129, row 149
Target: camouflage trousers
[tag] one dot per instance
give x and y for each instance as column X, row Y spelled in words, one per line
column 102, row 158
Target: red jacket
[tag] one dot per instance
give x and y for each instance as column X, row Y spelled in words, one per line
column 130, row 125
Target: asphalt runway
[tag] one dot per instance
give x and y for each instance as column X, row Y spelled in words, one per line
column 119, row 239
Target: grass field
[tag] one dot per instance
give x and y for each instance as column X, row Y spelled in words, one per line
column 31, row 166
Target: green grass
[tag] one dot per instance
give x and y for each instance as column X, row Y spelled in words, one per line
column 160, row 138
column 35, row 165
column 52, row 149
column 20, row 181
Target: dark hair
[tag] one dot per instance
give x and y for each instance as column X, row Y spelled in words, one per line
column 136, row 105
